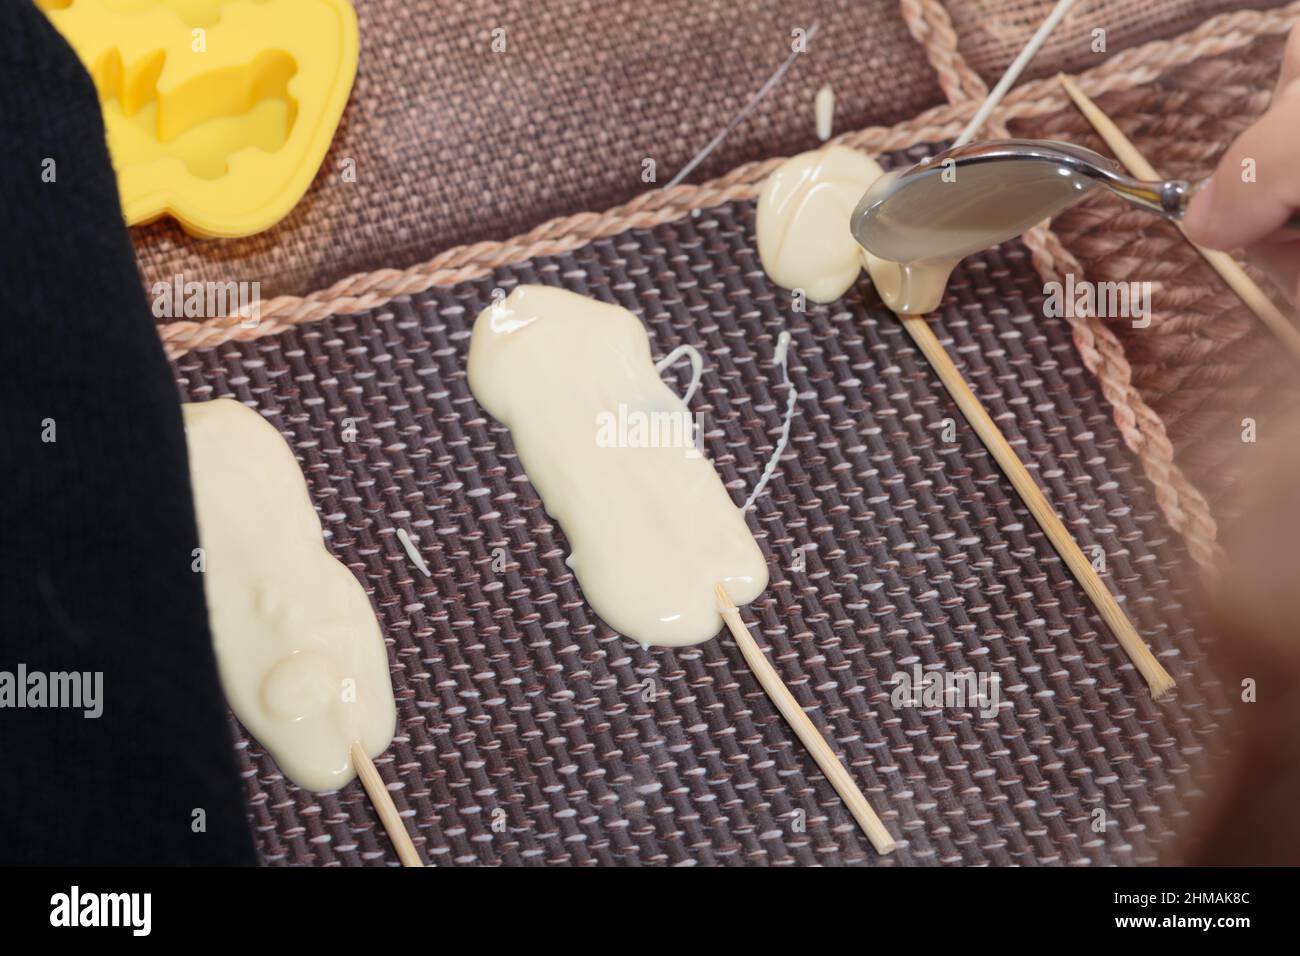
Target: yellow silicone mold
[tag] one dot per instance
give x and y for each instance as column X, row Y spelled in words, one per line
column 218, row 112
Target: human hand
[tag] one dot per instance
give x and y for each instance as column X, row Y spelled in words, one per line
column 1256, row 188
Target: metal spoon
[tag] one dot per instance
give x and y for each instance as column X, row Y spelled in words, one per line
column 976, row 196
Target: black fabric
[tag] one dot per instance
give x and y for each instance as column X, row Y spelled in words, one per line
column 97, row 526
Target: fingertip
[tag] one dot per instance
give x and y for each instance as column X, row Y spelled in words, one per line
column 1199, row 218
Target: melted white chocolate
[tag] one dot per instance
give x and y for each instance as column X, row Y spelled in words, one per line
column 824, row 110
column 804, row 241
column 909, row 288
column 301, row 657
column 609, row 448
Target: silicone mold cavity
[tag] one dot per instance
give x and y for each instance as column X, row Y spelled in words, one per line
column 218, row 112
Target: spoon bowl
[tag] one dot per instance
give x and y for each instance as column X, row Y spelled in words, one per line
column 976, row 196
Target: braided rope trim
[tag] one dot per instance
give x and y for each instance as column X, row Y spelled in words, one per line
column 1183, row 505
column 368, row 290
column 931, row 27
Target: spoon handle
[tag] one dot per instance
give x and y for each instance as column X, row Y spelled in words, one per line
column 1170, row 198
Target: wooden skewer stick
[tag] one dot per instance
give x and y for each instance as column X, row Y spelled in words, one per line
column 1223, row 264
column 1013, row 71
column 821, row 751
column 383, row 802
column 1156, row 676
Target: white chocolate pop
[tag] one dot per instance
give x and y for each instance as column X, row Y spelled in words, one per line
column 301, row 657
column 610, row 449
column 804, row 240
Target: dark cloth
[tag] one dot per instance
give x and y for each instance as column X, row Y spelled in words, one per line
column 96, row 526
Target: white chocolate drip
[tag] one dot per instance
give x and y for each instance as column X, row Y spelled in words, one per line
column 824, row 109
column 697, row 367
column 782, row 359
column 412, row 552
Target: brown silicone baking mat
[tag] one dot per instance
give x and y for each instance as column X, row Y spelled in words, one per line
column 529, row 733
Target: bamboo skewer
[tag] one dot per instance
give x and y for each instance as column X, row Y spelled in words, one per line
column 807, row 732
column 1156, row 676
column 1223, row 264
column 383, row 802
column 1150, row 668
column 1013, row 71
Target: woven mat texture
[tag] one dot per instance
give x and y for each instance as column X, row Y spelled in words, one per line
column 991, row 33
column 518, row 707
column 1205, row 363
column 454, row 143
